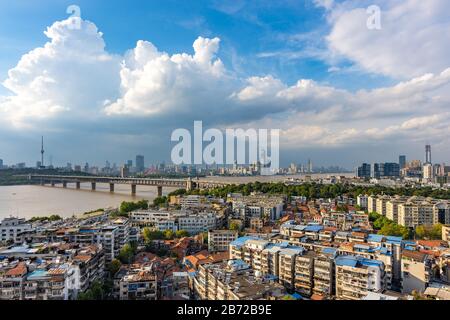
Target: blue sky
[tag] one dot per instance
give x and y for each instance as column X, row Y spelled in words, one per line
column 247, row 29
column 351, row 105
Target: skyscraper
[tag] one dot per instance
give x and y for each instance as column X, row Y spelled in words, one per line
column 363, row 171
column 428, row 154
column 1, row 164
column 402, row 162
column 140, row 166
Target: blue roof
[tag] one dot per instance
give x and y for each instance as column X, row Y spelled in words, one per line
column 296, row 296
column 329, row 250
column 241, row 241
column 375, row 238
column 353, row 261
column 349, row 261
column 313, row 228
column 394, row 240
column 37, row 274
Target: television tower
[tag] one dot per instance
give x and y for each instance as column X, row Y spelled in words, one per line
column 42, row 151
column 428, row 153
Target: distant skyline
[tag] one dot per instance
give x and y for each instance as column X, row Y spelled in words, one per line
column 341, row 94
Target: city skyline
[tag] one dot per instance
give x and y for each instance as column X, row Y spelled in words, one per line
column 333, row 96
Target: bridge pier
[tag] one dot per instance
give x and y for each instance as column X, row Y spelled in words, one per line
column 111, row 187
column 78, row 183
column 133, row 189
column 93, row 186
column 160, row 193
column 64, row 184
column 53, row 183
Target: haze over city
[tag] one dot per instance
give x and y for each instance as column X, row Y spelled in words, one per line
column 125, row 80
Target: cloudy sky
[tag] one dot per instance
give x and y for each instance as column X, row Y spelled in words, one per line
column 117, row 82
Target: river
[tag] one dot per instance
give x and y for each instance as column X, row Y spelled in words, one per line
column 31, row 201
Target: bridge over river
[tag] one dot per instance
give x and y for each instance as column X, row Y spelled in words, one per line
column 188, row 184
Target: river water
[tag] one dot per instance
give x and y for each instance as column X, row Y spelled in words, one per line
column 30, row 201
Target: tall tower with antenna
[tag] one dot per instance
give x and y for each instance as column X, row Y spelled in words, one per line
column 428, row 154
column 42, row 151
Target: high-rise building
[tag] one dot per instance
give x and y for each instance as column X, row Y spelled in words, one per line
column 130, row 164
column 310, row 166
column 363, row 171
column 402, row 161
column 391, row 169
column 427, row 153
column 377, row 170
column 388, row 169
column 140, row 166
column 124, row 171
column 427, row 172
column 1, row 164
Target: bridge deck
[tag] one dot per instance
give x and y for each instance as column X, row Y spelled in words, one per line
column 177, row 183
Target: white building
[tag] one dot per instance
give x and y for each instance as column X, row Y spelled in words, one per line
column 357, row 276
column 11, row 227
column 219, row 240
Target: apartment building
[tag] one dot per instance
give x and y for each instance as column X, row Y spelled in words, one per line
column 234, row 280
column 287, row 265
column 256, row 223
column 190, row 221
column 410, row 211
column 389, row 250
column 392, row 209
column 61, row 274
column 138, row 284
column 197, row 223
column 11, row 227
column 416, row 271
column 357, row 276
column 304, row 273
column 146, row 217
column 219, row 240
column 416, row 212
column 446, row 233
column 262, row 206
column 12, row 281
column 372, row 203
column 88, row 266
column 324, row 272
column 362, row 201
column 124, row 228
column 381, row 202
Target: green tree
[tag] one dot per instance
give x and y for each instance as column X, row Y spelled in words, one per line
column 429, row 232
column 160, row 201
column 113, row 267
column 126, row 254
column 234, row 226
column 126, row 207
column 95, row 292
column 169, row 234
column 181, row 234
column 150, row 235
